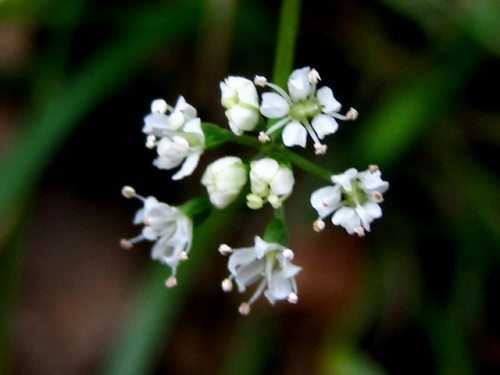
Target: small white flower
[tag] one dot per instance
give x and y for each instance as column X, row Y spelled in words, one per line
column 353, row 200
column 269, row 182
column 166, row 226
column 240, row 98
column 178, row 136
column 304, row 109
column 268, row 262
column 224, row 179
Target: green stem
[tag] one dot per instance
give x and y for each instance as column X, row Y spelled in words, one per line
column 306, row 165
column 287, row 37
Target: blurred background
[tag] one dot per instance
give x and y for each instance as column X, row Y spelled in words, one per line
column 417, row 295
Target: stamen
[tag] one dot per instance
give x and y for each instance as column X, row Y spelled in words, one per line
column 313, row 135
column 288, row 254
column 318, row 225
column 360, row 231
column 126, row 244
column 373, row 168
column 171, row 282
column 148, row 221
column 128, row 192
column 313, row 76
column 225, row 249
column 244, row 308
column 320, row 149
column 227, row 285
column 352, row 114
column 326, row 201
column 183, row 256
column 264, row 138
column 293, row 298
column 377, row 196
column 260, row 81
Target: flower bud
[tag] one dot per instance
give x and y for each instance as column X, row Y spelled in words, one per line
column 224, row 180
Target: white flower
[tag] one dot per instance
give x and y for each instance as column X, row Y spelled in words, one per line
column 240, row 98
column 166, row 226
column 353, row 200
column 305, row 109
column 224, row 179
column 178, row 137
column 269, row 182
column 268, row 262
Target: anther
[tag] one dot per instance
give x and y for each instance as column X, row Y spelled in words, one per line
column 288, row 254
column 360, row 231
column 126, row 244
column 183, row 256
column 320, row 149
column 225, row 250
column 171, row 282
column 260, row 81
column 313, row 76
column 293, row 297
column 373, row 168
column 128, row 192
column 264, row 138
column 227, row 285
column 352, row 114
column 377, row 196
column 244, row 308
column 318, row 225
column 148, row 221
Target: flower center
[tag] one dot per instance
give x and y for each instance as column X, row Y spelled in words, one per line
column 305, row 109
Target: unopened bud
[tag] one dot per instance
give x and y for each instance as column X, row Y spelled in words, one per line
column 159, row 106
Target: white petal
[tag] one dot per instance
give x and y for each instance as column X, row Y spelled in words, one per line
column 294, row 134
column 344, row 179
column 242, row 119
column 299, row 86
column 326, row 200
column 274, row 105
column 348, row 218
column 324, row 125
column 327, row 100
column 265, row 168
column 283, row 181
column 188, row 167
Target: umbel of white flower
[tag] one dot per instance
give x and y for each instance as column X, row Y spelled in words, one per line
column 224, row 179
column 269, row 263
column 304, row 109
column 353, row 200
column 177, row 135
column 270, row 182
column 166, row 226
column 240, row 98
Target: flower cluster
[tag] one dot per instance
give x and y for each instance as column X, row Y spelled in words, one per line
column 271, row 123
